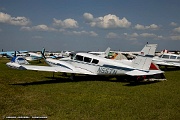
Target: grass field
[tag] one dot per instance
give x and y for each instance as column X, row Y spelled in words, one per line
column 31, row 93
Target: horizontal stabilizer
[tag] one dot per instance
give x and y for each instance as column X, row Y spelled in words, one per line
column 142, row 73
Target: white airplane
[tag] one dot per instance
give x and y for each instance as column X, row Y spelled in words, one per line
column 101, row 54
column 167, row 59
column 33, row 56
column 88, row 64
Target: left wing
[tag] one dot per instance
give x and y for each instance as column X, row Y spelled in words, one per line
column 48, row 68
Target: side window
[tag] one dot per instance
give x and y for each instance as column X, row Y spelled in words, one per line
column 172, row 57
column 86, row 59
column 95, row 61
column 178, row 58
column 78, row 57
column 165, row 56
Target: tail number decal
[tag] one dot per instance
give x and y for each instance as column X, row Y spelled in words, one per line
column 105, row 70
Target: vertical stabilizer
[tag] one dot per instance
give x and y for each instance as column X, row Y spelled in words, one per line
column 144, row 59
column 107, row 51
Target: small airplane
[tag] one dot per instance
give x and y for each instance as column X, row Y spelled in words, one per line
column 101, row 54
column 167, row 59
column 33, row 56
column 10, row 54
column 89, row 64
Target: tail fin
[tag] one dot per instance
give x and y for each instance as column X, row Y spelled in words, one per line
column 107, row 51
column 42, row 53
column 14, row 57
column 143, row 61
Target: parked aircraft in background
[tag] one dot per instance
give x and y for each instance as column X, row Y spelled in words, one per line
column 30, row 56
column 88, row 64
column 167, row 59
column 10, row 54
column 101, row 54
column 33, row 56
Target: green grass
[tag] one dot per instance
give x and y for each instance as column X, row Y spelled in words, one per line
column 31, row 93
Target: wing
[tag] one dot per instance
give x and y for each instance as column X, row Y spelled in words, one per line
column 61, row 66
column 54, row 69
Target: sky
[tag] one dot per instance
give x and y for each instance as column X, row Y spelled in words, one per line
column 89, row 25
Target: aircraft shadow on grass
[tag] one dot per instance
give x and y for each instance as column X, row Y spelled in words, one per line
column 170, row 68
column 55, row 80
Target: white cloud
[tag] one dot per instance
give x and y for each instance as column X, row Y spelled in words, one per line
column 173, row 24
column 160, row 37
column 150, row 27
column 112, row 35
column 108, row 21
column 177, row 29
column 91, row 33
column 38, row 28
column 139, row 27
column 132, row 36
column 88, row 17
column 26, row 28
column 148, row 35
column 136, row 36
column 67, row 23
column 175, row 37
column 153, row 27
column 6, row 18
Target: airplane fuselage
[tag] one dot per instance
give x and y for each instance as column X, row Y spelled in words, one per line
column 167, row 60
column 92, row 64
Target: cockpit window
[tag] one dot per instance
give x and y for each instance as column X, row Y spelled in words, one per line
column 95, row 61
column 86, row 59
column 165, row 56
column 78, row 57
column 172, row 57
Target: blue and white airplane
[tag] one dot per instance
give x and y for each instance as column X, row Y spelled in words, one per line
column 33, row 56
column 89, row 64
column 10, row 54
